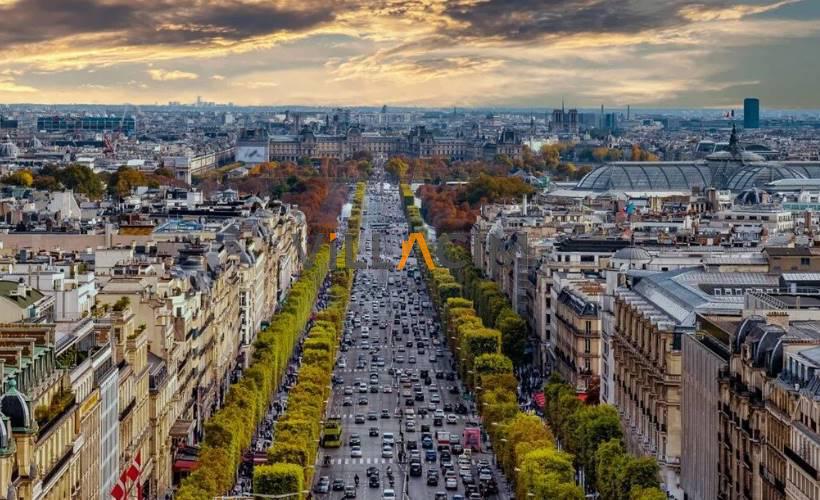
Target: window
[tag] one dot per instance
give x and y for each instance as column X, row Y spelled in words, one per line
column 588, row 327
column 587, row 258
column 805, row 261
column 587, row 347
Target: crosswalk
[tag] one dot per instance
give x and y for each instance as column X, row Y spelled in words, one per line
column 361, row 461
column 352, row 416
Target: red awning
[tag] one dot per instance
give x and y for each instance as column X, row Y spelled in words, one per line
column 186, row 465
column 582, row 396
column 538, row 397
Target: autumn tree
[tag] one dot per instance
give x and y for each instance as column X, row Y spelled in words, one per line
column 19, row 178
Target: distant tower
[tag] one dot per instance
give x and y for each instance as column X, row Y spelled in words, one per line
column 601, row 120
column 751, row 113
column 628, row 112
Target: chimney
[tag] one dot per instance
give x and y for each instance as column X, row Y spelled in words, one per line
column 21, row 288
column 779, row 318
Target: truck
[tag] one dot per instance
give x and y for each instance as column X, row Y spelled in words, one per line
column 442, row 440
column 332, row 433
column 472, row 438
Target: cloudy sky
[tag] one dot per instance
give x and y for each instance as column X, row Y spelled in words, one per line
column 527, row 53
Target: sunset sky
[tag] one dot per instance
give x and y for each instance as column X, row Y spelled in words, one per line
column 522, row 53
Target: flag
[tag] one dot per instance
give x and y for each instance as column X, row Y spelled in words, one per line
column 118, row 491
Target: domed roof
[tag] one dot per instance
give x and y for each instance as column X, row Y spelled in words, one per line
column 4, row 433
column 760, row 174
column 15, row 406
column 8, row 149
column 647, row 176
column 632, row 253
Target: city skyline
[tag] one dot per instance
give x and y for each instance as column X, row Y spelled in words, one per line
column 520, row 53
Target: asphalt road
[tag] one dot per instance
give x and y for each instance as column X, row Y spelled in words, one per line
column 388, row 307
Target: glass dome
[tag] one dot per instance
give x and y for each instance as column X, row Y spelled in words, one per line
column 760, row 174
column 639, row 176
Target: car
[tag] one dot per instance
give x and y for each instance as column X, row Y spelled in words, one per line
column 347, row 402
column 387, row 389
column 411, row 360
column 342, row 363
column 448, row 408
column 412, row 445
column 432, row 477
column 440, row 495
column 427, row 442
column 419, row 397
column 348, row 391
column 461, row 409
column 388, row 438
column 432, row 358
column 362, row 401
column 359, row 418
column 453, row 389
column 372, row 415
column 409, row 402
column 387, row 451
column 451, row 484
column 452, row 419
column 372, row 470
column 399, row 359
column 350, row 491
column 435, row 399
column 338, row 485
column 415, row 468
column 385, row 413
column 430, row 456
column 374, row 389
column 363, row 388
column 354, row 440
column 356, row 452
column 457, row 449
column 373, row 432
column 388, row 495
column 410, row 426
column 323, row 486
column 373, row 481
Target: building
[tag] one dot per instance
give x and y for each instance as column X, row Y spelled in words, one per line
column 577, row 343
column 124, row 124
column 751, row 112
column 418, row 143
column 732, row 169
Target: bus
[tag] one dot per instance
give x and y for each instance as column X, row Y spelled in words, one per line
column 332, row 433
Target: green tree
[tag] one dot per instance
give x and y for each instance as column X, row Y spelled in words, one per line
column 81, row 179
column 641, row 472
column 278, row 479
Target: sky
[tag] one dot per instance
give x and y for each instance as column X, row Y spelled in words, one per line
column 439, row 53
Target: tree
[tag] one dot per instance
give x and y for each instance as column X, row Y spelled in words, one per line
column 397, row 166
column 124, row 180
column 19, row 178
column 594, row 425
column 638, row 493
column 638, row 473
column 513, row 335
column 81, row 179
column 164, row 172
column 278, row 479
column 608, row 459
column 551, row 153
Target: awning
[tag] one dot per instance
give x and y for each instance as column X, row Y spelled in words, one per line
column 539, row 399
column 182, row 428
column 185, row 465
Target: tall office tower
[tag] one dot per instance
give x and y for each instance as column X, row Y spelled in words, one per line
column 751, row 113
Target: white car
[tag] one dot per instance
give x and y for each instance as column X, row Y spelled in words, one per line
column 387, row 451
column 388, row 495
column 452, row 419
column 451, row 484
column 388, row 389
column 356, row 452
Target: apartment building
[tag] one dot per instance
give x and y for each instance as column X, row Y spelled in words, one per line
column 577, row 344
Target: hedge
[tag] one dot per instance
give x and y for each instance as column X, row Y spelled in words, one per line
column 298, row 431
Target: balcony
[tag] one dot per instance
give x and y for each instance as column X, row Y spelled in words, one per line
column 49, row 416
column 800, row 462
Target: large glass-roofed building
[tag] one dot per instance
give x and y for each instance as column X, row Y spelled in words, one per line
column 734, row 170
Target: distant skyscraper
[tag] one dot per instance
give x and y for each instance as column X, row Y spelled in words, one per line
column 751, row 113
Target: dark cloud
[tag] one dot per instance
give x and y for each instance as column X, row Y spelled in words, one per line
column 531, row 19
column 156, row 21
